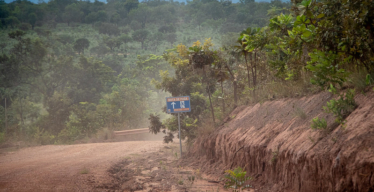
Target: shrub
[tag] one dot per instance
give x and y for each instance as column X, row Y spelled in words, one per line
column 236, row 179
column 42, row 137
column 341, row 107
column 300, row 113
column 319, row 124
column 24, row 26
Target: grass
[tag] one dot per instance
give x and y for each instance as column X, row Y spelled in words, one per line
column 206, row 128
column 85, row 171
column 300, row 113
column 180, row 182
column 274, row 157
column 276, row 89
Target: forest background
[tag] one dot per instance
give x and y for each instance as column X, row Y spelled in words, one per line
column 72, row 70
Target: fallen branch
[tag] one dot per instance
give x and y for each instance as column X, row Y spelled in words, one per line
column 235, row 155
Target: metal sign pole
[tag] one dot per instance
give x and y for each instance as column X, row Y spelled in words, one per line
column 178, row 105
column 180, row 139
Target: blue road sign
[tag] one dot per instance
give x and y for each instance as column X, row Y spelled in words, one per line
column 178, row 104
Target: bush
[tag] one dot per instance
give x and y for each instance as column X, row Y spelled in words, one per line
column 24, row 26
column 342, row 107
column 42, row 32
column 319, row 124
column 108, row 29
column 65, row 39
column 42, row 137
column 236, row 179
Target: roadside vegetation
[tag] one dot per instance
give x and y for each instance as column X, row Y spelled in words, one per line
column 317, row 46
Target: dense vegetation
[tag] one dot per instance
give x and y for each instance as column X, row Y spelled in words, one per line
column 69, row 68
column 320, row 45
column 72, row 68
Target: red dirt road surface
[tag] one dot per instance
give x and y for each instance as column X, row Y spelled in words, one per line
column 65, row 167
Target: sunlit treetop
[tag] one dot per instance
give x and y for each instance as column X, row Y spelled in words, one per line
column 182, row 50
column 196, row 44
column 207, row 44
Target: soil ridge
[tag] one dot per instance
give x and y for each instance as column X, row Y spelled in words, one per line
column 273, row 141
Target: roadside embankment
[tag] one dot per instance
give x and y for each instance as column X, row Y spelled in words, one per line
column 273, row 141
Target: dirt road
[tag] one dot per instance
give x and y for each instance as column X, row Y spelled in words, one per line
column 65, row 167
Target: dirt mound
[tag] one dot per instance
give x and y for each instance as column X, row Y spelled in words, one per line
column 273, row 141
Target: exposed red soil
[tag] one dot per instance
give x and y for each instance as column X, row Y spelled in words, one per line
column 116, row 166
column 65, row 167
column 277, row 147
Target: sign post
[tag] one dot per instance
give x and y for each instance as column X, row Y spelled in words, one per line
column 178, row 105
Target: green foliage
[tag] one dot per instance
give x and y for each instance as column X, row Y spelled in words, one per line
column 108, row 29
column 369, row 80
column 2, row 138
column 141, row 36
column 80, row 95
column 180, row 182
column 81, row 44
column 319, row 124
column 342, row 106
column 236, row 179
column 155, row 124
column 42, row 137
column 72, row 13
column 65, row 39
column 325, row 68
column 85, row 171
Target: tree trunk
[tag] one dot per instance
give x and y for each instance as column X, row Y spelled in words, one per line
column 21, row 112
column 235, row 86
column 223, row 99
column 211, row 107
column 210, row 100
column 6, row 118
column 253, row 75
column 235, row 93
column 23, row 123
column 246, row 64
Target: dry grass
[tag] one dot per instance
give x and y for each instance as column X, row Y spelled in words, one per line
column 105, row 134
column 84, row 171
column 206, row 128
column 358, row 81
column 300, row 113
column 283, row 89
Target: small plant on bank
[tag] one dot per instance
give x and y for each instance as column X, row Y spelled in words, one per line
column 342, row 107
column 319, row 124
column 85, row 171
column 198, row 173
column 191, row 180
column 300, row 113
column 236, row 179
column 369, row 80
column 180, row 182
column 274, row 158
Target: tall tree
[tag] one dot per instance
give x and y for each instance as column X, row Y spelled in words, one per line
column 81, row 44
column 72, row 14
column 141, row 36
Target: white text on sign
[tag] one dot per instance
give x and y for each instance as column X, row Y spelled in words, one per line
column 177, row 99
